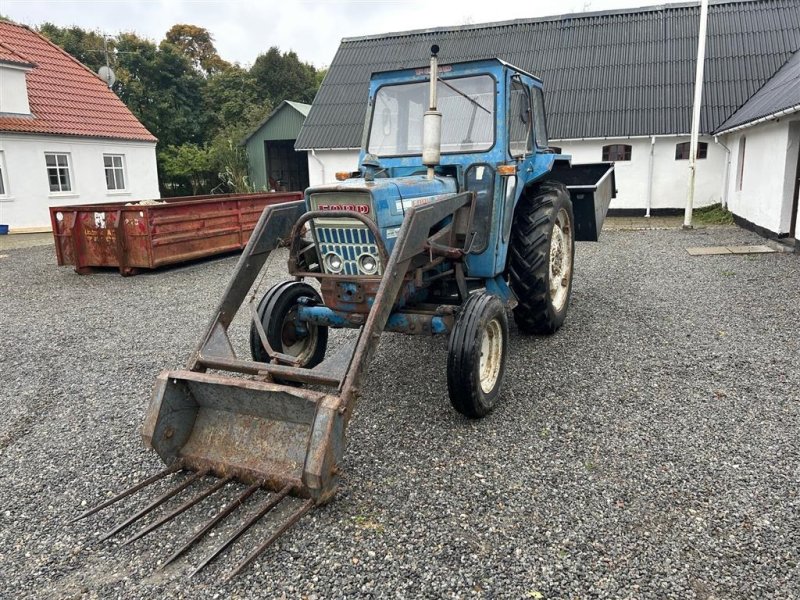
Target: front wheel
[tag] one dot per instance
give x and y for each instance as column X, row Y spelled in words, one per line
column 476, row 355
column 285, row 333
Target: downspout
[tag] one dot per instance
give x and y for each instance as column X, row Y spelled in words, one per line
column 727, row 176
column 319, row 162
column 651, row 168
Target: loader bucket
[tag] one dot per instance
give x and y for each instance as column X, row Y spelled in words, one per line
column 254, row 431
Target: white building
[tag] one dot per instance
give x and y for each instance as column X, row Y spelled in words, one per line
column 763, row 186
column 618, row 86
column 65, row 138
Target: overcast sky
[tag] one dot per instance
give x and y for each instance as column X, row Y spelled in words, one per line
column 243, row 29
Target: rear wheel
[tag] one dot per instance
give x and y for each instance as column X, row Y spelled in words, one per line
column 285, row 332
column 541, row 258
column 476, row 355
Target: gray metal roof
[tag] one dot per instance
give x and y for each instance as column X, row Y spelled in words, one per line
column 606, row 74
column 781, row 93
column 301, row 108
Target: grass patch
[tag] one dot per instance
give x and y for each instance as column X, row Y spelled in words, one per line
column 713, row 215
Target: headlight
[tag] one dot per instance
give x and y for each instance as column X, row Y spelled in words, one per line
column 333, row 262
column 368, row 264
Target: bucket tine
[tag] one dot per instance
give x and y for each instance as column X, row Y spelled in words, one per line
column 294, row 518
column 131, row 490
column 155, row 504
column 205, row 529
column 182, row 508
column 265, row 508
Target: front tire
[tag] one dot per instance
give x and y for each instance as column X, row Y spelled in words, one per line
column 476, row 355
column 278, row 313
column 541, row 256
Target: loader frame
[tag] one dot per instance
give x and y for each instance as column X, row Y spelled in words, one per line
column 231, row 408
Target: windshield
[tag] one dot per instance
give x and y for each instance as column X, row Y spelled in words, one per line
column 466, row 104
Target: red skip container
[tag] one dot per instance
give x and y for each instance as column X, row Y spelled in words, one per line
column 151, row 235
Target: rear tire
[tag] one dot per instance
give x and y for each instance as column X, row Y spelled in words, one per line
column 476, row 355
column 278, row 313
column 541, row 256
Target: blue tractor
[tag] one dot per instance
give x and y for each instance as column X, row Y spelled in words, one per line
column 459, row 213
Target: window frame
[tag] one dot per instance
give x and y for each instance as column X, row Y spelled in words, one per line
column 373, row 108
column 122, row 169
column 58, row 168
column 517, row 85
column 742, row 152
column 5, row 192
column 539, row 117
column 627, row 153
column 683, row 151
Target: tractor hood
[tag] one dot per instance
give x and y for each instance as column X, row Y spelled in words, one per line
column 390, row 197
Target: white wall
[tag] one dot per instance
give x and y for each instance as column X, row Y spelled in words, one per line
column 13, row 91
column 323, row 167
column 768, row 179
column 28, row 196
column 670, row 176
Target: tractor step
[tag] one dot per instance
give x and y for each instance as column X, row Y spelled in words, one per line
column 187, row 478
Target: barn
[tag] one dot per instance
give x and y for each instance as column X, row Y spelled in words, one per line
column 618, row 85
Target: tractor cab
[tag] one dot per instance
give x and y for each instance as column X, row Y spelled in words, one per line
column 493, row 142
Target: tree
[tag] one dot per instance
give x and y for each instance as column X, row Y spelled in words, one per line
column 189, row 161
column 282, row 77
column 86, row 46
column 162, row 89
column 229, row 159
column 230, row 98
column 197, row 44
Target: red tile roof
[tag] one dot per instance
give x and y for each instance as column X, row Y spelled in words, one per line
column 7, row 55
column 65, row 97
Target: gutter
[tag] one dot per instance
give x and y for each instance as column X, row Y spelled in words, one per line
column 625, row 137
column 777, row 115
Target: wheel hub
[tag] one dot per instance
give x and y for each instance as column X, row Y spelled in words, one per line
column 560, row 259
column 491, row 355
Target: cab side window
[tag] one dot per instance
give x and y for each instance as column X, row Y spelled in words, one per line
column 539, row 119
column 519, row 120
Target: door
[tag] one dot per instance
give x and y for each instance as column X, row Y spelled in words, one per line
column 287, row 170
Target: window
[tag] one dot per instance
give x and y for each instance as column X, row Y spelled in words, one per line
column 115, row 171
column 466, row 104
column 58, row 172
column 556, row 149
column 520, row 141
column 683, row 151
column 3, row 185
column 616, row 152
column 540, row 124
column 740, row 166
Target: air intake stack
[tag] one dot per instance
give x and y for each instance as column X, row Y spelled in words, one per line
column 432, row 122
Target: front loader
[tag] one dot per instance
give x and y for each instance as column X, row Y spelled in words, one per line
column 459, row 213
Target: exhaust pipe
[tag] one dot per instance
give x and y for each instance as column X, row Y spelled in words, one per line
column 432, row 122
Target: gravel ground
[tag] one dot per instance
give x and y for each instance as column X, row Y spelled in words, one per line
column 650, row 449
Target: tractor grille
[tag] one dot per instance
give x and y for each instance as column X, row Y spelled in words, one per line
column 349, row 243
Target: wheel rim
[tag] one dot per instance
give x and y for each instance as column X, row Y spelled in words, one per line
column 491, row 355
column 560, row 259
column 295, row 344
